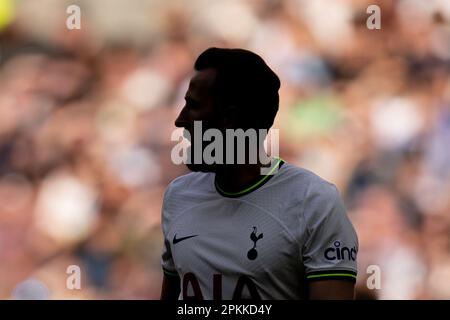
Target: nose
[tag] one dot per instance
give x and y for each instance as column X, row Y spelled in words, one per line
column 182, row 119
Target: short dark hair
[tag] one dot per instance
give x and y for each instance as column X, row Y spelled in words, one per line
column 244, row 81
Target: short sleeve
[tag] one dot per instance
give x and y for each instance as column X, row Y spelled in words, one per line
column 331, row 244
column 167, row 263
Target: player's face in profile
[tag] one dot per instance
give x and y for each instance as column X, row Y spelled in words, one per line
column 199, row 106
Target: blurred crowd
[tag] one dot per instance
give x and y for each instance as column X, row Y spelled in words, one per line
column 86, row 118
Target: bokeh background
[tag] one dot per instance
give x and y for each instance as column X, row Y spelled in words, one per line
column 86, row 117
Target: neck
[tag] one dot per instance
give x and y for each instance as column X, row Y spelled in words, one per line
column 237, row 177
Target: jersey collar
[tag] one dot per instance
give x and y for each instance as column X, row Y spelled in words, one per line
column 254, row 185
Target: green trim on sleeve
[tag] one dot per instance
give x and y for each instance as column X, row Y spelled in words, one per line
column 331, row 275
column 327, row 275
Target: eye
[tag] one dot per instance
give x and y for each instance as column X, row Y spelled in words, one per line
column 191, row 103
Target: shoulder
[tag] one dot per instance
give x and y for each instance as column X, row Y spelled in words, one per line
column 307, row 185
column 315, row 199
column 193, row 181
column 185, row 190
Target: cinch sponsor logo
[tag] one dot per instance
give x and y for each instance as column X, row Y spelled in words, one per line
column 340, row 253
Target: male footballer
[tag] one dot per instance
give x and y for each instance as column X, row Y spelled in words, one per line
column 231, row 232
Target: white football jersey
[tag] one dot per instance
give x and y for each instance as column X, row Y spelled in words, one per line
column 265, row 242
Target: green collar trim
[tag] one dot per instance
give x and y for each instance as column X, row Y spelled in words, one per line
column 252, row 187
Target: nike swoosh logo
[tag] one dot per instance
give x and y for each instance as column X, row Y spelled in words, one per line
column 175, row 240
